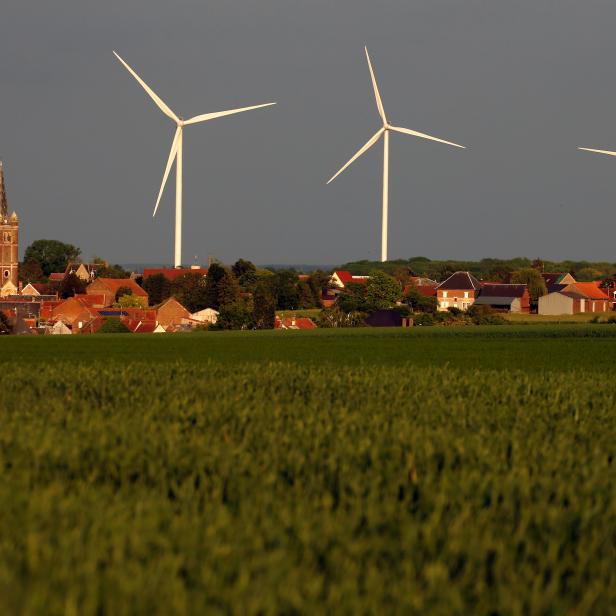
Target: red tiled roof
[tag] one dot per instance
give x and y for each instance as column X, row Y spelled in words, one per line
column 137, row 326
column 171, row 273
column 115, row 284
column 56, row 276
column 294, row 323
column 90, row 300
column 588, row 289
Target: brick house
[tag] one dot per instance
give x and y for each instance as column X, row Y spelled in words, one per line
column 108, row 288
column 171, row 314
column 459, row 291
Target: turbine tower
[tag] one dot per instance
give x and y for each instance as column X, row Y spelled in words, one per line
column 384, row 132
column 177, row 150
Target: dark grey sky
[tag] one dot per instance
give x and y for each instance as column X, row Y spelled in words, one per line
column 521, row 83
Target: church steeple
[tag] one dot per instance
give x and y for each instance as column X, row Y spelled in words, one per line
column 4, row 206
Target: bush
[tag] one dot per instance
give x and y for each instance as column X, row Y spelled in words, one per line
column 335, row 317
column 113, row 325
column 455, row 311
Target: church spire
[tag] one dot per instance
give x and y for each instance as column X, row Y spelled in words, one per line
column 4, row 206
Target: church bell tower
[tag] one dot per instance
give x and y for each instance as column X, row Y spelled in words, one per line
column 9, row 239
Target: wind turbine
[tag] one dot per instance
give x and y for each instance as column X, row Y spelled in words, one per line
column 176, row 152
column 384, row 131
column 608, row 152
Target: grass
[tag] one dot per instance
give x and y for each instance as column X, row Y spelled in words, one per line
column 585, row 317
column 436, row 471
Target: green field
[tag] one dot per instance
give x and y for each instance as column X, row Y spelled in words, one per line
column 435, row 471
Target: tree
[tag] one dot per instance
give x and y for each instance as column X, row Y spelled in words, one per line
column 264, row 306
column 31, row 271
column 284, row 286
column 352, row 298
column 214, row 275
column 420, row 303
column 499, row 273
column 190, row 290
column 533, row 280
column 320, row 283
column 121, row 292
column 128, row 300
column 228, row 289
column 246, row 273
column 5, row 324
column 382, row 290
column 306, row 297
column 158, row 288
column 235, row 316
column 104, row 270
column 51, row 255
column 72, row 285
column 113, row 325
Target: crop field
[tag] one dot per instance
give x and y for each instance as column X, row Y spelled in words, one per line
column 443, row 471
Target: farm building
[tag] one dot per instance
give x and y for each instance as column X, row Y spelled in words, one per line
column 459, row 291
column 387, row 318
column 575, row 298
column 504, row 297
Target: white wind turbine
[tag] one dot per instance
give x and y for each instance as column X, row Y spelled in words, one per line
column 176, row 152
column 608, row 152
column 384, row 131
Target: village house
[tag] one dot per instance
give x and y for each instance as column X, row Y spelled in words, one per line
column 108, row 288
column 85, row 271
column 575, row 298
column 458, row 291
column 171, row 314
column 77, row 313
column 294, row 323
column 557, row 281
column 207, row 316
column 341, row 278
column 504, row 297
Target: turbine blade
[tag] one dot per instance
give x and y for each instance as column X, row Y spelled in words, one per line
column 408, row 131
column 377, row 95
column 172, row 155
column 608, row 152
column 161, row 104
column 220, row 114
column 363, row 149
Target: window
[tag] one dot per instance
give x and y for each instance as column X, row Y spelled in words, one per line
column 444, row 293
column 7, row 273
column 465, row 294
column 444, row 304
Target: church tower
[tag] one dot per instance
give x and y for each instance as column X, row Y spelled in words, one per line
column 9, row 239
